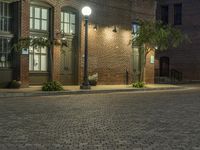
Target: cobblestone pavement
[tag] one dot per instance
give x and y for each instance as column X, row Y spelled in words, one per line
column 120, row 121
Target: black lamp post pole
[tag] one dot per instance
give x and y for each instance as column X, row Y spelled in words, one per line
column 86, row 84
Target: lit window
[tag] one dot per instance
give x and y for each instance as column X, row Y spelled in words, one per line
column 68, row 22
column 39, row 18
column 5, row 52
column 5, row 17
column 38, row 57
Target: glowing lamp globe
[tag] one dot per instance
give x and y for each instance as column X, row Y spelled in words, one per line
column 86, row 11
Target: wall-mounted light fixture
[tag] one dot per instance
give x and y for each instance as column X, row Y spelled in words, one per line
column 115, row 29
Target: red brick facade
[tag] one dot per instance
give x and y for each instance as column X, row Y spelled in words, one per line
column 110, row 53
column 185, row 58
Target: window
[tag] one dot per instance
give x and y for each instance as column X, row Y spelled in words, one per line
column 5, row 38
column 5, row 17
column 68, row 22
column 165, row 14
column 5, row 52
column 39, row 26
column 38, row 59
column 39, row 18
column 177, row 14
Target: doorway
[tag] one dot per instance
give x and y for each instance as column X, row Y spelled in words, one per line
column 69, row 50
column 164, row 66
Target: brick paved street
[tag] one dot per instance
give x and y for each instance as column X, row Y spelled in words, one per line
column 120, row 121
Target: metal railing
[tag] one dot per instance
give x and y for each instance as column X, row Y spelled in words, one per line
column 174, row 76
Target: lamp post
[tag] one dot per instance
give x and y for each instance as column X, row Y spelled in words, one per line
column 86, row 11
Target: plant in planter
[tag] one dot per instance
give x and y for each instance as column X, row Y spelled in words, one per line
column 14, row 84
column 138, row 85
column 52, row 86
column 93, row 79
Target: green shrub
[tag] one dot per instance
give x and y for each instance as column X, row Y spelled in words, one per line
column 14, row 84
column 52, row 86
column 138, row 85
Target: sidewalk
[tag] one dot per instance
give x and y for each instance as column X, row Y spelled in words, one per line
column 69, row 90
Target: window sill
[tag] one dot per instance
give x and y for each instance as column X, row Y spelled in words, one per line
column 38, row 72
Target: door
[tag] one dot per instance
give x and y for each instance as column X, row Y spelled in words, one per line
column 69, row 59
column 164, row 66
column 68, row 65
column 136, row 64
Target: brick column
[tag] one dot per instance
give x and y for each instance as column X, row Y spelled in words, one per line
column 56, row 63
column 24, row 59
column 149, row 72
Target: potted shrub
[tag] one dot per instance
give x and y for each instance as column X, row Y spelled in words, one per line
column 14, row 84
column 52, row 86
column 93, row 79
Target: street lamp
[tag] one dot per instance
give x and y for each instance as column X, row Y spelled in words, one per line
column 86, row 11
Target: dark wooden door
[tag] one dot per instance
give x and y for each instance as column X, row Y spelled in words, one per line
column 68, row 65
column 164, row 66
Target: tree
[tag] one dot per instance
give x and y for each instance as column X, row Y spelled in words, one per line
column 155, row 36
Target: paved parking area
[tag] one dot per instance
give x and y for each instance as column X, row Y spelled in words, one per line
column 120, row 121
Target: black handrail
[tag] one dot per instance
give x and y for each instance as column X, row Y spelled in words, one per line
column 176, row 75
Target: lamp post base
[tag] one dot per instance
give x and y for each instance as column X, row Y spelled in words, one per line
column 85, row 87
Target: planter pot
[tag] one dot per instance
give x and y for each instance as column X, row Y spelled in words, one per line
column 93, row 82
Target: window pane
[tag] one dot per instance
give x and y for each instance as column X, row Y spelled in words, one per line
column 37, row 12
column 66, row 28
column 31, row 23
column 30, row 49
column 72, row 30
column 66, row 19
column 44, row 25
column 5, row 53
column 44, row 63
column 37, row 62
column 43, row 50
column 178, row 14
column 37, row 50
column 30, row 62
column 31, row 11
column 37, row 24
column 165, row 14
column 44, row 13
column 72, row 18
column 62, row 16
column 62, row 27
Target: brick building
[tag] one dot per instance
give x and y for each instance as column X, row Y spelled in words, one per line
column 110, row 54
column 183, row 14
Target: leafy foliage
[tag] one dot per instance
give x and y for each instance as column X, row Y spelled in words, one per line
column 156, row 35
column 14, row 84
column 138, row 85
column 52, row 86
column 34, row 42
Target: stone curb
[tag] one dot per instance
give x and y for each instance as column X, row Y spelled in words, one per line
column 40, row 93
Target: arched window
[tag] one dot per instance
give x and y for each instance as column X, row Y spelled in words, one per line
column 68, row 20
column 40, row 15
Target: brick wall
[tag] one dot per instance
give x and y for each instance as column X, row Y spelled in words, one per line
column 110, row 53
column 185, row 58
